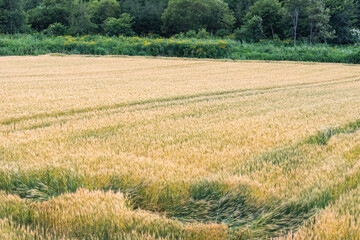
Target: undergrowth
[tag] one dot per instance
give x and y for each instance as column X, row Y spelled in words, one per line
column 174, row 47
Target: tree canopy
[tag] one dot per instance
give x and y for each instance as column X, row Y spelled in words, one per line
column 185, row 15
column 311, row 21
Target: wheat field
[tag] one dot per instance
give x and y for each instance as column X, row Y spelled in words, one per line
column 166, row 148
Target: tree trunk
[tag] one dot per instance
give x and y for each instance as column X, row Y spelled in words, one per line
column 11, row 18
column 272, row 31
column 296, row 21
column 82, row 16
column 311, row 30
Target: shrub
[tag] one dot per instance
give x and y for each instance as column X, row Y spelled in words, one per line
column 191, row 34
column 153, row 35
column 179, row 35
column 223, row 33
column 119, row 26
column 203, row 34
column 56, row 29
column 354, row 57
column 238, row 34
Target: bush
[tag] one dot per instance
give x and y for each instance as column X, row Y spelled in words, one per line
column 179, row 35
column 153, row 35
column 354, row 57
column 191, row 34
column 238, row 34
column 202, row 34
column 119, row 26
column 222, row 33
column 56, row 29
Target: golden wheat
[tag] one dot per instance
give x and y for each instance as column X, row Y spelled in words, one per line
column 177, row 137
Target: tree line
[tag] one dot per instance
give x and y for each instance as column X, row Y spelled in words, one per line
column 331, row 21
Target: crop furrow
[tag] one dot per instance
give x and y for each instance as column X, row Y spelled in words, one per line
column 165, row 102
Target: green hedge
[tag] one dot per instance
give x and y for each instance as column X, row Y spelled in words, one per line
column 173, row 47
column 303, row 52
column 100, row 45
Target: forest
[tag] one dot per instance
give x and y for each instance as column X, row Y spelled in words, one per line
column 305, row 21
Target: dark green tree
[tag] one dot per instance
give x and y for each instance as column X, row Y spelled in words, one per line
column 80, row 19
column 147, row 14
column 56, row 29
column 271, row 13
column 319, row 17
column 119, row 26
column 30, row 4
column 252, row 30
column 50, row 12
column 12, row 16
column 100, row 10
column 342, row 19
column 221, row 16
column 240, row 9
column 294, row 9
column 185, row 15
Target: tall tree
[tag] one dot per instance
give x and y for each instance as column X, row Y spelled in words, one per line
column 30, row 4
column 147, row 14
column 342, row 18
column 293, row 10
column 119, row 26
column 80, row 19
column 185, row 15
column 240, row 9
column 271, row 13
column 101, row 10
column 12, row 16
column 252, row 30
column 319, row 17
column 50, row 12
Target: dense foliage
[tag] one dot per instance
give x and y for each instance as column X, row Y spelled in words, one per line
column 178, row 46
column 310, row 21
column 100, row 45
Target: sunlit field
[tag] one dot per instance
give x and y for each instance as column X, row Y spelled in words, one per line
column 167, row 148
